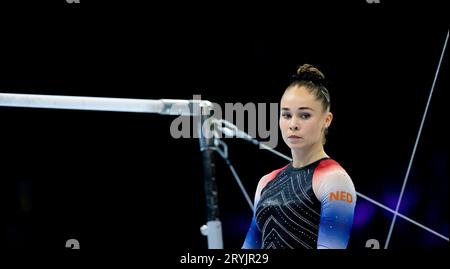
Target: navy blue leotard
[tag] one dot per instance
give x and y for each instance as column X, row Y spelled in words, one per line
column 309, row 207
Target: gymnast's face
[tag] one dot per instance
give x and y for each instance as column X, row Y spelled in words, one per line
column 303, row 119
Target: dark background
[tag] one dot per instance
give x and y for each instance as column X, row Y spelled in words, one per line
column 120, row 181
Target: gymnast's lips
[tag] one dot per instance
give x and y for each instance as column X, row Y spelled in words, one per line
column 294, row 139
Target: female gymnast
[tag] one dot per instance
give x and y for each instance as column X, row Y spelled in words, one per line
column 310, row 202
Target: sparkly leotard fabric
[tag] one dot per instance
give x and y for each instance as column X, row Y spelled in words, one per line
column 309, row 207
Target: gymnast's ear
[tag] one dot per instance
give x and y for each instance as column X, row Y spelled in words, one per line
column 328, row 119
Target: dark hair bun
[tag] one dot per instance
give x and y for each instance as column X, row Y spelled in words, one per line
column 309, row 72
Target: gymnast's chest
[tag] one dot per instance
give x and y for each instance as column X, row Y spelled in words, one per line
column 288, row 194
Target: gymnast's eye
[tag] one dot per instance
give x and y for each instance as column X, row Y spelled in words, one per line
column 305, row 116
column 286, row 115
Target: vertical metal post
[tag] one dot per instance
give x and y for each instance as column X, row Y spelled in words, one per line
column 213, row 227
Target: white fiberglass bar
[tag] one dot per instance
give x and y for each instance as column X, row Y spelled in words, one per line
column 162, row 106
